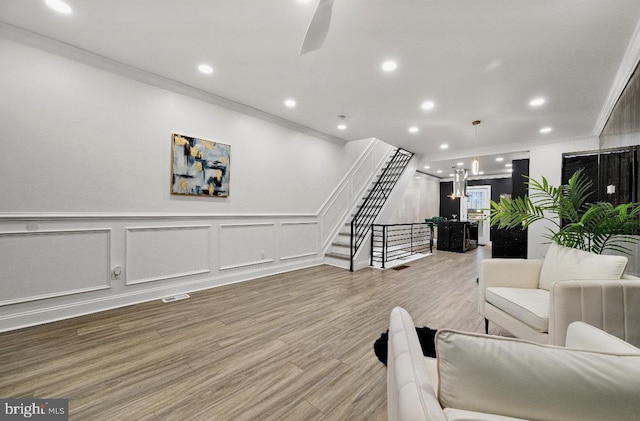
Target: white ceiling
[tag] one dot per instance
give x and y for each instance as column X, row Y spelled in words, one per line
column 476, row 59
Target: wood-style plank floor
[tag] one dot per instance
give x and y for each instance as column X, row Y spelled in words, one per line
column 295, row 346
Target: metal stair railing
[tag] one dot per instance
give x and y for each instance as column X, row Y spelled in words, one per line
column 372, row 205
column 398, row 241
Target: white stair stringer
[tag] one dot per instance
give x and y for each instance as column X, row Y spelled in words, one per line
column 339, row 253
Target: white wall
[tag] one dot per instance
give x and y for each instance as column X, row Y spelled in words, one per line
column 79, row 139
column 546, row 160
column 420, row 200
column 85, row 189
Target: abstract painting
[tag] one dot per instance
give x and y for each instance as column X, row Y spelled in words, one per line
column 199, row 167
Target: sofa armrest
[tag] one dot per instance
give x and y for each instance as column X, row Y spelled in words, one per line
column 516, row 378
column 515, row 273
column 610, row 305
column 410, row 394
column 584, row 336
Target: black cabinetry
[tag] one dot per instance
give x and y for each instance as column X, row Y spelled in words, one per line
column 458, row 236
column 510, row 243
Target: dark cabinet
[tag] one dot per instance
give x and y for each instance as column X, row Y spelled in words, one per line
column 509, row 243
column 458, row 236
column 512, row 243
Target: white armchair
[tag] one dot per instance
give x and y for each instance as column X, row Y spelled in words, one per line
column 538, row 299
column 491, row 378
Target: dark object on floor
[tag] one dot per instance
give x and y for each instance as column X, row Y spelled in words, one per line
column 400, row 267
column 425, row 335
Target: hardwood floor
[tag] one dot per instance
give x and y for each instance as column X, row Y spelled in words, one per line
column 296, row 346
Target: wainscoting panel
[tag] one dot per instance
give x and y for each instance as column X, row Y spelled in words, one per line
column 56, row 266
column 246, row 244
column 44, row 264
column 298, row 239
column 159, row 253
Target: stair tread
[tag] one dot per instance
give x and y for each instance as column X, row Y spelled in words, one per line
column 338, row 256
column 347, row 245
column 378, row 193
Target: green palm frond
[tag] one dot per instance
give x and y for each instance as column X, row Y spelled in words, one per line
column 578, row 189
column 595, row 227
column 509, row 213
column 547, row 197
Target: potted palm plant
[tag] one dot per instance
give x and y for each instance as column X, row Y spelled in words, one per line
column 594, row 227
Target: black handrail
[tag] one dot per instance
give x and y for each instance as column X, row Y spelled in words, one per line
column 370, row 208
column 397, row 241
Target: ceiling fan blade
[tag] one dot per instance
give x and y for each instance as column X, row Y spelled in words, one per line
column 318, row 28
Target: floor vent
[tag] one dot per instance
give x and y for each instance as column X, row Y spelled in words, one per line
column 175, row 298
column 400, row 267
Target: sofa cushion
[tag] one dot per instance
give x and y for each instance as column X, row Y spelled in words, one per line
column 563, row 263
column 516, row 378
column 531, row 306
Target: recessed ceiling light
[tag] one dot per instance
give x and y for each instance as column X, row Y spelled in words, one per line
column 450, row 175
column 389, row 66
column 481, row 173
column 510, row 169
column 59, row 6
column 417, row 177
column 426, row 167
column 290, row 103
column 439, row 171
column 444, row 146
column 413, row 129
column 342, row 126
column 427, row 105
column 206, row 69
column 545, row 130
column 499, row 159
column 508, row 165
column 536, row 102
column 460, row 164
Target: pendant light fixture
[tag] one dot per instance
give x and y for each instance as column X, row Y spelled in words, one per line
column 475, row 165
column 459, row 183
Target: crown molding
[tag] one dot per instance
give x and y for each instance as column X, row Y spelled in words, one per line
column 625, row 70
column 68, row 51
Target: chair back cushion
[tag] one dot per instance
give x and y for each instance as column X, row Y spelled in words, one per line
column 564, row 263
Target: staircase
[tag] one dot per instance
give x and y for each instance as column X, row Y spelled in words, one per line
column 355, row 232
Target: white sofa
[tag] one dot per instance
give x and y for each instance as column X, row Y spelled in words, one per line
column 538, row 299
column 491, row 378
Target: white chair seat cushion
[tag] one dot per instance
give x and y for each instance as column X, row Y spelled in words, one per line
column 564, row 263
column 531, row 306
column 462, row 415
